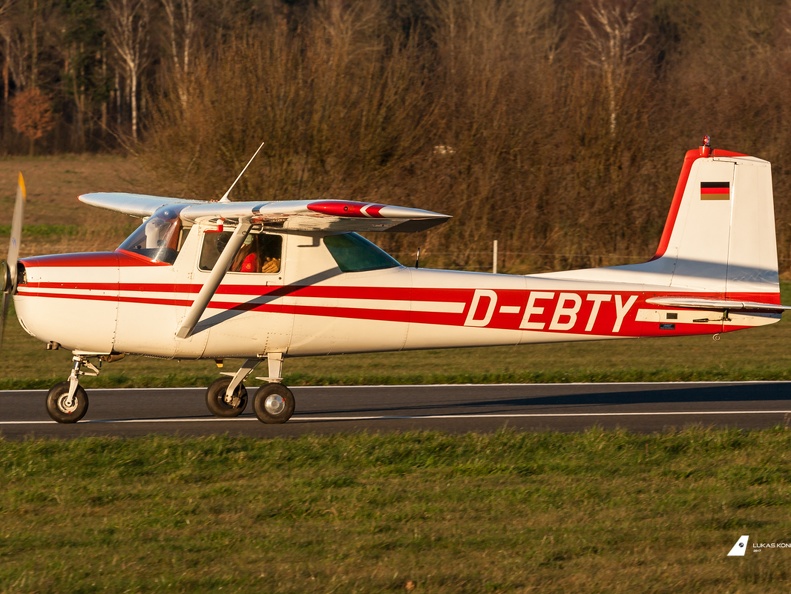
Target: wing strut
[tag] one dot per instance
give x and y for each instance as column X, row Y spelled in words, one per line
column 215, row 278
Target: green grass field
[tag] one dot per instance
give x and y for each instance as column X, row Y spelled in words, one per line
column 505, row 512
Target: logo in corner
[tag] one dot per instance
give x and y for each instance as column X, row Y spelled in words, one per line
column 740, row 548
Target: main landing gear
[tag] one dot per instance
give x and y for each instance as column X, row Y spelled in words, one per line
column 273, row 402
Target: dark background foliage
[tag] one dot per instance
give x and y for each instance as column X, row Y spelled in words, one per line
column 555, row 126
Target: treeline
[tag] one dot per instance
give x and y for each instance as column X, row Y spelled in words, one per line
column 555, row 126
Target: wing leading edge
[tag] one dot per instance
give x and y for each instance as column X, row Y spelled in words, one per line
column 333, row 216
column 136, row 205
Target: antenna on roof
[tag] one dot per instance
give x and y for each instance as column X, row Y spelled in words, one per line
column 225, row 196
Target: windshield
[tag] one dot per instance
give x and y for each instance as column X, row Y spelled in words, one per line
column 159, row 237
column 354, row 253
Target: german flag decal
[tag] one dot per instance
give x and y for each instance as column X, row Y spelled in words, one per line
column 715, row 190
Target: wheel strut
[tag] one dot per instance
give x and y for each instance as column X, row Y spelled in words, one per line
column 273, row 402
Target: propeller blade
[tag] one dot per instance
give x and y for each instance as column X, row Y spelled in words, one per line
column 16, row 231
column 8, row 271
column 215, row 278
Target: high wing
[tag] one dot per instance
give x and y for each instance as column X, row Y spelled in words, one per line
column 331, row 216
column 136, row 205
column 324, row 216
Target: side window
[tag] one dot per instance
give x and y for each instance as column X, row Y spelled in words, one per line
column 354, row 253
column 260, row 252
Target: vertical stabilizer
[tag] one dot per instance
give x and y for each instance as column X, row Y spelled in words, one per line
column 720, row 233
column 719, row 238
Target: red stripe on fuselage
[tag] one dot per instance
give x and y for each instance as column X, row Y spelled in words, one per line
column 90, row 260
column 592, row 313
column 318, row 291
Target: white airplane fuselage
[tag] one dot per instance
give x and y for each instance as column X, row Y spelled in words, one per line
column 112, row 302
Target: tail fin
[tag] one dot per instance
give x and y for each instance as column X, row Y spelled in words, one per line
column 720, row 232
column 718, row 250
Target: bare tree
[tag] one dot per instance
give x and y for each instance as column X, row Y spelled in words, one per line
column 6, row 28
column 130, row 36
column 182, row 30
column 613, row 43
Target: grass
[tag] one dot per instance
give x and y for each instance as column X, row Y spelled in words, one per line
column 506, row 512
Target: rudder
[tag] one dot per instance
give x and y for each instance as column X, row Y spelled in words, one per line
column 720, row 233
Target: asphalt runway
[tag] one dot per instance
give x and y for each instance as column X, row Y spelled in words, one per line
column 644, row 407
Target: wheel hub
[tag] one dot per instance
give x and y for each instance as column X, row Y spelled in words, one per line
column 274, row 404
column 67, row 404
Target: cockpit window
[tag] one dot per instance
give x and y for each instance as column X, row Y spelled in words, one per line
column 354, row 253
column 159, row 238
column 260, row 252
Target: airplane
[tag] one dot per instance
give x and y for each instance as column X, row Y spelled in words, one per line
column 269, row 280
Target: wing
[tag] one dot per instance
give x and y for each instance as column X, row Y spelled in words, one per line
column 324, row 216
column 137, row 205
column 331, row 216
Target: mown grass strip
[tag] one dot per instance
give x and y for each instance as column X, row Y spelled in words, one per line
column 506, row 512
column 43, row 231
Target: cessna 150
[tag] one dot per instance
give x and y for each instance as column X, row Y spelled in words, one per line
column 271, row 280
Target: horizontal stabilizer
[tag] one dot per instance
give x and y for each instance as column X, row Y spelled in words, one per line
column 717, row 304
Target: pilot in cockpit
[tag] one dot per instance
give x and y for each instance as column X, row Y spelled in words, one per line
column 259, row 253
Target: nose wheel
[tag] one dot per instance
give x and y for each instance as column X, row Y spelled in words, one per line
column 67, row 402
column 64, row 407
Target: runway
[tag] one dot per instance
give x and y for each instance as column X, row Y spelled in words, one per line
column 643, row 407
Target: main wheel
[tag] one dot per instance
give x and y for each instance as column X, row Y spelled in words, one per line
column 218, row 405
column 273, row 403
column 64, row 409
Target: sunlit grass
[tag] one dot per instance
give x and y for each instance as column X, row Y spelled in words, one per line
column 507, row 512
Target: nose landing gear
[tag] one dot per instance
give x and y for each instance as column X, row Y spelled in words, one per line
column 67, row 402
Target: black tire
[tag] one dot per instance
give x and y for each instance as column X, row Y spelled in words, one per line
column 215, row 399
column 60, row 410
column 273, row 404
